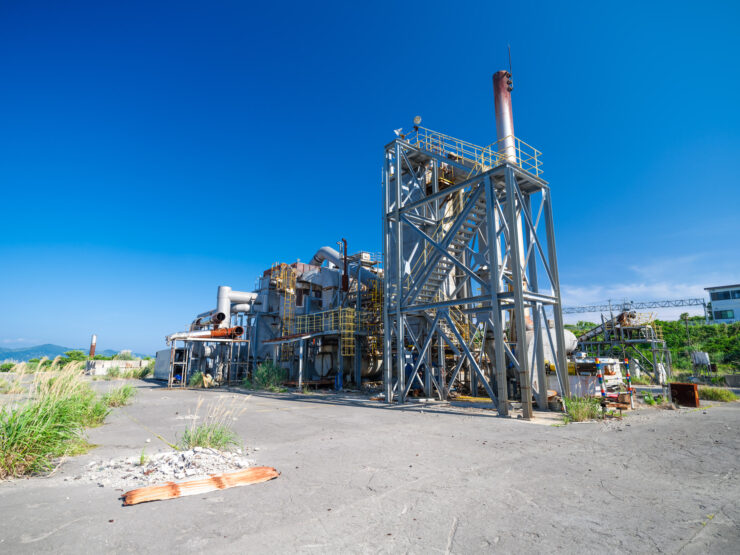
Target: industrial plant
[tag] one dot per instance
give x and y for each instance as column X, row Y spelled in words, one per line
column 464, row 298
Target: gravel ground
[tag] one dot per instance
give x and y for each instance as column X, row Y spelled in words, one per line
column 361, row 477
column 128, row 472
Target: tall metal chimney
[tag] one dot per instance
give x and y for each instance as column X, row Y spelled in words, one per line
column 502, row 87
column 93, row 342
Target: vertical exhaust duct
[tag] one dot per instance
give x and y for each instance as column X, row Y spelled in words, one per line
column 93, row 342
column 502, row 86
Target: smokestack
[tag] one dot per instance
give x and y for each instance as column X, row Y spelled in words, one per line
column 502, row 86
column 93, row 342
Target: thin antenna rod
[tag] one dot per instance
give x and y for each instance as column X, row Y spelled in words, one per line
column 509, row 58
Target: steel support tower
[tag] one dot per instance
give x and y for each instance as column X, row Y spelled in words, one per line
column 471, row 275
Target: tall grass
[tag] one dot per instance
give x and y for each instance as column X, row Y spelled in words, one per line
column 716, row 394
column 580, row 409
column 49, row 425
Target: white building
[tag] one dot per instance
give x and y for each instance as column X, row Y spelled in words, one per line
column 725, row 303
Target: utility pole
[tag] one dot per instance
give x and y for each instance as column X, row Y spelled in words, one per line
column 688, row 337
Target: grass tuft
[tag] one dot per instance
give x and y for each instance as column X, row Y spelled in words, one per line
column 215, row 431
column 215, row 435
column 717, row 394
column 113, row 372
column 120, row 396
column 580, row 409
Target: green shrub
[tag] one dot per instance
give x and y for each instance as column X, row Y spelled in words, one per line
column 580, row 409
column 716, row 394
column 119, row 397
column 113, row 372
column 268, row 376
column 196, row 380
column 7, row 366
column 148, row 370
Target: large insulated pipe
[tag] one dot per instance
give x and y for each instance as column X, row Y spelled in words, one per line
column 241, row 307
column 504, row 116
column 226, row 296
column 331, row 255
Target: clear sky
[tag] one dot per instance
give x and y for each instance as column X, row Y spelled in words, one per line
column 150, row 151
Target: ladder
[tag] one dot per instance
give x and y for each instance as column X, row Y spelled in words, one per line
column 285, row 283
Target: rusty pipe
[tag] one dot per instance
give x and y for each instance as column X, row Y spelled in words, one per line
column 93, row 343
column 230, row 333
column 504, row 115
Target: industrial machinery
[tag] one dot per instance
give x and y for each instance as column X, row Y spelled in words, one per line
column 467, row 298
column 316, row 320
column 632, row 335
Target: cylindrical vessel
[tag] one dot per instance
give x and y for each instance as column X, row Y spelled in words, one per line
column 504, row 116
column 93, row 343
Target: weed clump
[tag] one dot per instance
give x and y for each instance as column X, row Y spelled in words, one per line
column 113, row 372
column 7, row 366
column 717, row 394
column 119, row 397
column 268, row 375
column 580, row 409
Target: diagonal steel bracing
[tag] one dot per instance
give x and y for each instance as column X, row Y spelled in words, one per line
column 483, row 265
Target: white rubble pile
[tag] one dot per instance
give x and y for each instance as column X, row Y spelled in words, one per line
column 199, row 462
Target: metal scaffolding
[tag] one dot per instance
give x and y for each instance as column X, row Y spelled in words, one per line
column 471, row 276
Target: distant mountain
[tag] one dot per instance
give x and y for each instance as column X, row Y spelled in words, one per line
column 47, row 350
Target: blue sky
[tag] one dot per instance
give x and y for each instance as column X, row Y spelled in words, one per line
column 152, row 151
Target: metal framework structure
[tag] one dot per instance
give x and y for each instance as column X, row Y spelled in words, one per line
column 620, row 337
column 631, row 305
column 470, row 274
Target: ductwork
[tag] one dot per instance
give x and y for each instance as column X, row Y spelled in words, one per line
column 214, row 318
column 226, row 296
column 331, row 255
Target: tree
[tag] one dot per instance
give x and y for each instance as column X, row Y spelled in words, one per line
column 76, row 355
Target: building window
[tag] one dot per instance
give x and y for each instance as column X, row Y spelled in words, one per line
column 724, row 314
column 736, row 294
column 720, row 295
